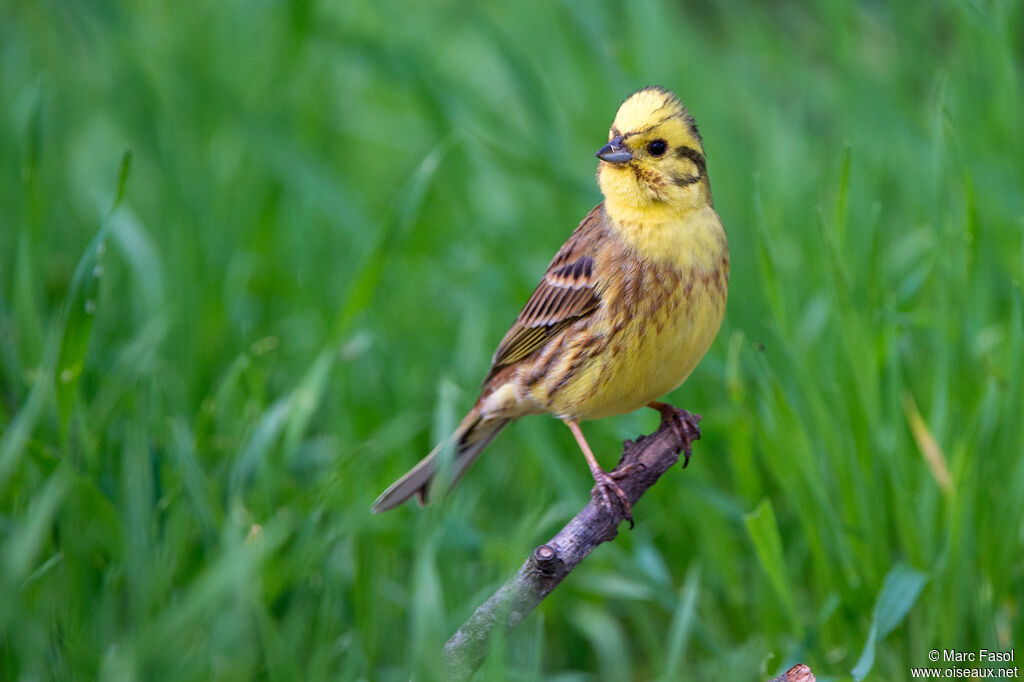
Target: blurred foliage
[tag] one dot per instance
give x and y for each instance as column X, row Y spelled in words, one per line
column 254, row 257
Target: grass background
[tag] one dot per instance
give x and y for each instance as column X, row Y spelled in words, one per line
column 215, row 351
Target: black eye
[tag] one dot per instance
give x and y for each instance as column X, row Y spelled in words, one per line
column 657, row 148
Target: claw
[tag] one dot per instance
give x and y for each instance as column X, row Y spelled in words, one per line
column 684, row 425
column 605, row 483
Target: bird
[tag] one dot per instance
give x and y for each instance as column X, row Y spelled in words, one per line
column 626, row 309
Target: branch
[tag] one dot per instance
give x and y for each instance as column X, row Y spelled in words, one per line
column 798, row 673
column 642, row 464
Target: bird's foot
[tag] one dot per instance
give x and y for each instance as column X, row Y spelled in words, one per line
column 685, row 426
column 608, row 488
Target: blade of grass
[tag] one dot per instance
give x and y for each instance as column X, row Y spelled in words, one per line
column 683, row 621
column 23, row 545
column 900, row 590
column 79, row 307
column 764, row 533
column 290, row 414
column 410, row 198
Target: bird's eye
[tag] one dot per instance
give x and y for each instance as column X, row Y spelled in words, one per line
column 657, row 148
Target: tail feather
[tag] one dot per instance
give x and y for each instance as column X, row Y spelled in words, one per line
column 470, row 439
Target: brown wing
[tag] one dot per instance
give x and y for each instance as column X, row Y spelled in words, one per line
column 568, row 291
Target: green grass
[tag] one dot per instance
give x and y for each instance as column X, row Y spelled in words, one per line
column 218, row 347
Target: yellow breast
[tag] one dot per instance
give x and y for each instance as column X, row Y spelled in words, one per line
column 659, row 315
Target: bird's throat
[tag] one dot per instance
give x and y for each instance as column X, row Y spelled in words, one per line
column 692, row 238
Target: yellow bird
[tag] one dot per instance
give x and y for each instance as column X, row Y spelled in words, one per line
column 627, row 308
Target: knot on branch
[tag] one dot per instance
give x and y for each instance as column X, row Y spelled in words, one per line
column 545, row 559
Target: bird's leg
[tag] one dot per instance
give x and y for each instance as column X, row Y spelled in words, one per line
column 683, row 424
column 605, row 483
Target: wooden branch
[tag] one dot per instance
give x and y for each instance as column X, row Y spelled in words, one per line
column 798, row 673
column 642, row 464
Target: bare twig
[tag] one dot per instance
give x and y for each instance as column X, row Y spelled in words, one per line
column 643, row 462
column 798, row 673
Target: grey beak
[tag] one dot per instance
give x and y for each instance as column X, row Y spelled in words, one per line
column 615, row 152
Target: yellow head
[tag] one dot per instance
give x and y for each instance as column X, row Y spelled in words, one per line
column 654, row 158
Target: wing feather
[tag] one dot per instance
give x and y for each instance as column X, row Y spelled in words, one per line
column 568, row 291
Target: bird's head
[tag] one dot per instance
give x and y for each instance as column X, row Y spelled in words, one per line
column 654, row 159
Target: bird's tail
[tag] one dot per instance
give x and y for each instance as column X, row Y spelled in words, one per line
column 469, row 440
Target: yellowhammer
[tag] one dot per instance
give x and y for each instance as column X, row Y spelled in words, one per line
column 627, row 308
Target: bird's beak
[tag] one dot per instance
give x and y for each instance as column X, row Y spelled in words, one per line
column 615, row 151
